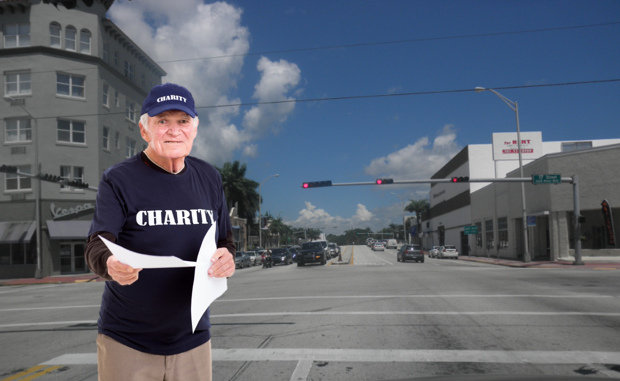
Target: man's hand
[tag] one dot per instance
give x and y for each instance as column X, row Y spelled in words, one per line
column 120, row 272
column 223, row 264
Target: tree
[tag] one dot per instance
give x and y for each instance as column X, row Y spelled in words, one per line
column 239, row 190
column 421, row 208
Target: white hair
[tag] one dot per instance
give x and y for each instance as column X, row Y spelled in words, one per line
column 144, row 120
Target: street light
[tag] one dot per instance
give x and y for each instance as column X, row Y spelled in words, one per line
column 37, row 194
column 260, row 217
column 514, row 106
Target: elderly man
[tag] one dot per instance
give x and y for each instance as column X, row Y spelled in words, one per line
column 159, row 202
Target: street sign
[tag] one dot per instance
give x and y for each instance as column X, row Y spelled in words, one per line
column 471, row 229
column 554, row 178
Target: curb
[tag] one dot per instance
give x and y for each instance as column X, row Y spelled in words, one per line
column 52, row 280
column 542, row 264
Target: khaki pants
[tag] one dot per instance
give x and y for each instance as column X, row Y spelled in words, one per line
column 118, row 362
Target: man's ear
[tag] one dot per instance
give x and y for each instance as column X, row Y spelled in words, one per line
column 144, row 133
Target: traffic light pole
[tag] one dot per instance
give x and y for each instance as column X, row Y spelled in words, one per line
column 571, row 180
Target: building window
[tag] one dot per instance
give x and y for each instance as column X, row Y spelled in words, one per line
column 129, row 70
column 17, row 131
column 130, row 111
column 106, row 95
column 16, row 182
column 106, row 52
column 131, row 148
column 17, row 254
column 116, row 58
column 71, row 131
column 55, row 35
column 479, row 234
column 17, row 83
column 488, row 233
column 502, row 232
column 85, row 41
column 70, row 173
column 117, row 99
column 70, row 33
column 106, row 138
column 72, row 258
column 16, row 35
column 70, row 85
column 117, row 140
column 576, row 146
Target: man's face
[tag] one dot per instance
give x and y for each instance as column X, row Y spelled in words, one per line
column 170, row 135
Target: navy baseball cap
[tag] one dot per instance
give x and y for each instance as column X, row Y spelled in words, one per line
column 168, row 96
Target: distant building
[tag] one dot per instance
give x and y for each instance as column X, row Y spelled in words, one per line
column 73, row 84
column 496, row 209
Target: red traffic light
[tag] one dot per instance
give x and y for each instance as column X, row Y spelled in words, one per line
column 462, row 179
column 316, row 184
column 384, row 181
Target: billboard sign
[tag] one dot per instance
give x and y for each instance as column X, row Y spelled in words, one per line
column 506, row 147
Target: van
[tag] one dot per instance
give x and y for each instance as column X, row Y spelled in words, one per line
column 391, row 244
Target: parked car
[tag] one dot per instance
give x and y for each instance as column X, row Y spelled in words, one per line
column 313, row 252
column 242, row 260
column 434, row 252
column 253, row 258
column 281, row 256
column 448, row 251
column 410, row 253
column 378, row 246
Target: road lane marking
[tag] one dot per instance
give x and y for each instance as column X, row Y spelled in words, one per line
column 302, row 370
column 422, row 296
column 44, row 323
column 32, row 373
column 307, row 355
column 418, row 313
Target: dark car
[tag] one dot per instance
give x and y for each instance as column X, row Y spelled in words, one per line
column 313, row 252
column 295, row 250
column 411, row 253
column 281, row 256
column 242, row 260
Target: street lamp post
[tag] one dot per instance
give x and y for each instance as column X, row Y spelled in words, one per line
column 260, row 217
column 514, row 106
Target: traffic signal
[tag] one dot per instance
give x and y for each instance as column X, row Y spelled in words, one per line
column 51, row 178
column 76, row 184
column 316, row 184
column 8, row 168
column 384, row 181
column 462, row 179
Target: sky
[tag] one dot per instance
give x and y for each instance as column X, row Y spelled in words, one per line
column 351, row 91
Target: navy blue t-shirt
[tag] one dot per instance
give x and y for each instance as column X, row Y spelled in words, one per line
column 154, row 212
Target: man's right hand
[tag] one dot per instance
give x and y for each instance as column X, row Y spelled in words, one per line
column 120, row 272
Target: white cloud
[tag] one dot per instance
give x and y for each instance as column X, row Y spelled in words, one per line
column 312, row 216
column 362, row 214
column 277, row 80
column 187, row 31
column 419, row 160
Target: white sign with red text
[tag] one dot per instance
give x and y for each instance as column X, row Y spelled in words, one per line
column 506, row 147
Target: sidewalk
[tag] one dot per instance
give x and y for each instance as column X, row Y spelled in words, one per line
column 599, row 263
column 54, row 279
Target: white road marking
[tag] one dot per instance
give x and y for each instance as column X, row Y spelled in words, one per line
column 351, row 313
column 301, row 370
column 306, row 355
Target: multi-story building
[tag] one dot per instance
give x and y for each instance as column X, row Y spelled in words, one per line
column 497, row 210
column 73, row 84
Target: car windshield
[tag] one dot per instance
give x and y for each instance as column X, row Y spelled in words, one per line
column 312, row 245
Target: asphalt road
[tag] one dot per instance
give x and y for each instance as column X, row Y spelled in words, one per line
column 372, row 319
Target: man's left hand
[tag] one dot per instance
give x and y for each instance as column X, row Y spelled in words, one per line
column 223, row 264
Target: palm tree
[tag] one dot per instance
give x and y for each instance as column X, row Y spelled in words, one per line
column 239, row 190
column 421, row 209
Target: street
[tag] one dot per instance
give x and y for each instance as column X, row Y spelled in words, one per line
column 373, row 318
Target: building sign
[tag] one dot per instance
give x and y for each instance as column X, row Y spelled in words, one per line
column 470, row 229
column 609, row 223
column 506, row 147
column 59, row 213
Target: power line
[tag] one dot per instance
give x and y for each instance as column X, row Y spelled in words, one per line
column 396, row 42
column 367, row 96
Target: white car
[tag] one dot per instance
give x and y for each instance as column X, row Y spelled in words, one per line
column 448, row 251
column 434, row 252
column 378, row 246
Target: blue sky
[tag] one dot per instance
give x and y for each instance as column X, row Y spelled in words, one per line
column 240, row 54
